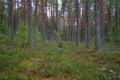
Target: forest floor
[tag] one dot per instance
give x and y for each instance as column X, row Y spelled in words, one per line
column 57, row 61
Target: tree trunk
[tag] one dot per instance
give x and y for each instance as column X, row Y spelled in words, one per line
column 57, row 29
column 24, row 11
column 106, row 29
column 116, row 20
column 101, row 15
column 78, row 26
column 97, row 27
column 11, row 20
column 30, row 23
column 87, row 25
column 36, row 20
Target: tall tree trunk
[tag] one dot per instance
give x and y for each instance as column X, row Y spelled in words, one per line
column 106, row 29
column 57, row 28
column 83, row 13
column 101, row 15
column 51, row 29
column 18, row 20
column 30, row 23
column 70, row 21
column 64, row 27
column 97, row 27
column 116, row 19
column 43, row 18
column 9, row 14
column 87, row 25
column 36, row 20
column 24, row 11
column 83, row 20
column 78, row 26
column 11, row 20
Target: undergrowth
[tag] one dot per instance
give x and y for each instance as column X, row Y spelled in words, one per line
column 57, row 61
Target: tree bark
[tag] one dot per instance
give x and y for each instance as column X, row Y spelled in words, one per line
column 30, row 23
column 78, row 22
column 11, row 20
column 87, row 25
column 36, row 20
column 101, row 15
column 57, row 20
column 97, row 27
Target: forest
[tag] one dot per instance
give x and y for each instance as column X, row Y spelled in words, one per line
column 59, row 39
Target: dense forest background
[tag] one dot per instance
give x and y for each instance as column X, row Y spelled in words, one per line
column 63, row 20
column 57, row 39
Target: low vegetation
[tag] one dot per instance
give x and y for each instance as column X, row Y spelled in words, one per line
column 57, row 61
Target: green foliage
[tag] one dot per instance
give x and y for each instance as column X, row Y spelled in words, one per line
column 4, row 61
column 3, row 38
column 112, row 35
column 26, row 65
column 60, row 44
column 8, row 75
column 22, row 34
column 58, row 51
column 3, row 29
column 56, row 61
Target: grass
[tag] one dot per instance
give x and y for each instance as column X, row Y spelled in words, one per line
column 52, row 61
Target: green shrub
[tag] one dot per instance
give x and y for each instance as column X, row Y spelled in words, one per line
column 3, row 38
column 3, row 29
column 4, row 62
column 8, row 75
column 22, row 34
